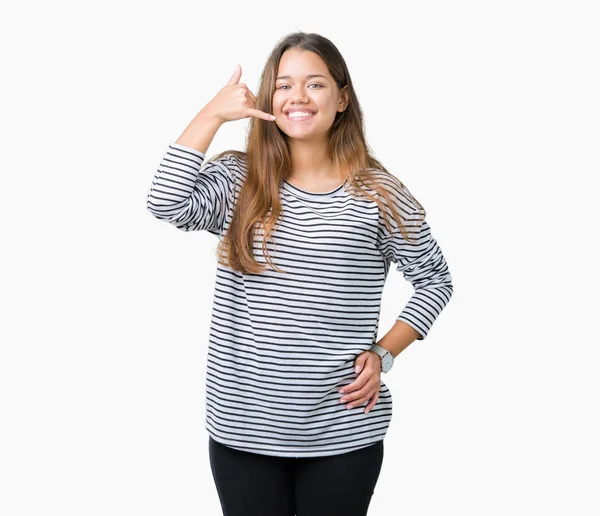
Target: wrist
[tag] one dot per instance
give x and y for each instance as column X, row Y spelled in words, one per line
column 380, row 359
column 207, row 116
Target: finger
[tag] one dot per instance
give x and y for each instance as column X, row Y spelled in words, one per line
column 358, row 383
column 365, row 391
column 372, row 404
column 235, row 78
column 363, row 397
column 252, row 96
column 361, row 400
column 370, row 356
column 261, row 114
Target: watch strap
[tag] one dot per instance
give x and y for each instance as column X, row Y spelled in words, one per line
column 379, row 350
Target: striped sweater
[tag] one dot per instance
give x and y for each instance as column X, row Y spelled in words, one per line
column 281, row 345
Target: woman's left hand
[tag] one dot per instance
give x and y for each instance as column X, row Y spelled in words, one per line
column 367, row 384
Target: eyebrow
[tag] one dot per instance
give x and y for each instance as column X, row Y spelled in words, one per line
column 310, row 76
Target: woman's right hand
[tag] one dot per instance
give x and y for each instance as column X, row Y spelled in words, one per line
column 235, row 101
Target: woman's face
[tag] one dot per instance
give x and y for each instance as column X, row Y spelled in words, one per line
column 298, row 89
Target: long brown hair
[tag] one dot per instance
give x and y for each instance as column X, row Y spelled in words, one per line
column 267, row 160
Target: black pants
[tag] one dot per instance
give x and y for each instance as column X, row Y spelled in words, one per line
column 251, row 484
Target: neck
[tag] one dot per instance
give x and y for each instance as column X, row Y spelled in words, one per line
column 311, row 162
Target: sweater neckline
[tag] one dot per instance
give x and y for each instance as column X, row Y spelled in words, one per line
column 311, row 195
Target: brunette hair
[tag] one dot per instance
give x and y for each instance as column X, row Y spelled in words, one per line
column 267, row 163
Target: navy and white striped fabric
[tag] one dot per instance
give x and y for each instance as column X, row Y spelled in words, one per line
column 282, row 344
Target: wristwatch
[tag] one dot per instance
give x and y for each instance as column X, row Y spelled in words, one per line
column 387, row 359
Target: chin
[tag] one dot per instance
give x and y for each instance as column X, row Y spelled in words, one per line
column 304, row 134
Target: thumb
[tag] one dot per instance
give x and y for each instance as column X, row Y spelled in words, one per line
column 360, row 362
column 235, row 78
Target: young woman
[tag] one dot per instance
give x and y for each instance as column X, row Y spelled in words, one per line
column 308, row 222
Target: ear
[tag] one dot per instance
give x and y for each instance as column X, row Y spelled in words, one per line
column 344, row 98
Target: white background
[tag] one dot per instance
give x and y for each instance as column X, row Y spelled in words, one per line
column 487, row 111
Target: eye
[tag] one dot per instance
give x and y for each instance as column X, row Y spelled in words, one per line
column 286, row 85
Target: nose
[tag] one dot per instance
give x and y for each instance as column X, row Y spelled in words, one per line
column 298, row 97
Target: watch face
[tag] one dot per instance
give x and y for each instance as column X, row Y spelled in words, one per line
column 387, row 362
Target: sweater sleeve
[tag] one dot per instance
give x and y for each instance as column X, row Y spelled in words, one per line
column 190, row 198
column 420, row 261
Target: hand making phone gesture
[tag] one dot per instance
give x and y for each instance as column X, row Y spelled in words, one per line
column 235, row 101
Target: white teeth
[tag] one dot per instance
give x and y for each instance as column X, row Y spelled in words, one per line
column 299, row 114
